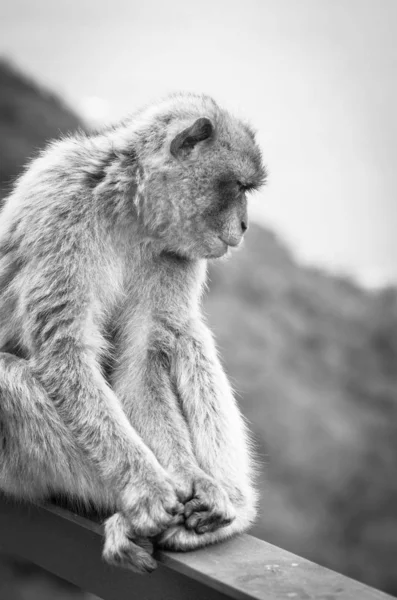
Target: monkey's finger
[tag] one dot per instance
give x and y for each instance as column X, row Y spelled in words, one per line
column 176, row 509
column 176, row 520
column 148, row 525
column 195, row 505
column 199, row 519
column 208, row 521
column 191, row 521
column 168, row 518
column 212, row 525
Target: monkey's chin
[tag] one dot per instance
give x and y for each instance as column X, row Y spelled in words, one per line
column 218, row 252
column 221, row 250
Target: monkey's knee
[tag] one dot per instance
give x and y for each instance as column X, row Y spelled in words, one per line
column 122, row 551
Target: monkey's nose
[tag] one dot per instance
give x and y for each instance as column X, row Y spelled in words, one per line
column 244, row 226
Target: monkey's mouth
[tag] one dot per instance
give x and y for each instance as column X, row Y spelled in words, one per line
column 219, row 251
column 231, row 242
column 225, row 244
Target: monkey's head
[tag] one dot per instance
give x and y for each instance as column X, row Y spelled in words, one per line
column 198, row 163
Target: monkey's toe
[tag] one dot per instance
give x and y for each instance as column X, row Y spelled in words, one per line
column 130, row 556
column 123, row 551
column 143, row 543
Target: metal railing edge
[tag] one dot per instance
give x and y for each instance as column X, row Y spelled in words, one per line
column 244, row 568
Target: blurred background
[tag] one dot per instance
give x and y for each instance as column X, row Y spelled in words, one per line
column 306, row 313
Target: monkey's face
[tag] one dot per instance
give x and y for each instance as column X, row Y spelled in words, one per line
column 196, row 204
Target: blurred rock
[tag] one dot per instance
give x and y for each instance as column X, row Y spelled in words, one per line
column 29, row 117
column 314, row 360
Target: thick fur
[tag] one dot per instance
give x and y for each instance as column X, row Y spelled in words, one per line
column 111, row 389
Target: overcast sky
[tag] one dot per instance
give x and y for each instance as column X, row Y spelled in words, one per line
column 316, row 78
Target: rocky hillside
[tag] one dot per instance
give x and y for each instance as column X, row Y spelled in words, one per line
column 314, row 360
column 29, row 117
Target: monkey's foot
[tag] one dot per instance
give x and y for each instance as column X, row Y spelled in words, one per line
column 209, row 509
column 122, row 551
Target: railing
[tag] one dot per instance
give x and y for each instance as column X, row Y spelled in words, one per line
column 243, row 569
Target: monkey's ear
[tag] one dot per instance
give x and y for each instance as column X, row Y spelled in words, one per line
column 185, row 141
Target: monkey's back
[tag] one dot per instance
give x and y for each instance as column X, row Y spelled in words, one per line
column 46, row 223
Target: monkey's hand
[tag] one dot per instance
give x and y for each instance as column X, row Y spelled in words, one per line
column 149, row 508
column 209, row 508
column 180, row 538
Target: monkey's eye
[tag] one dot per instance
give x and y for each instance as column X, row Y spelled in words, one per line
column 246, row 187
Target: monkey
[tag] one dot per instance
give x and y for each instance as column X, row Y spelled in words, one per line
column 112, row 392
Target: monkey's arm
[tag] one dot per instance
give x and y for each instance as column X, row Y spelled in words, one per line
column 142, row 381
column 218, row 433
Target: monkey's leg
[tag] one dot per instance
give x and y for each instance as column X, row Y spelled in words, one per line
column 39, row 457
column 218, row 434
column 150, row 401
